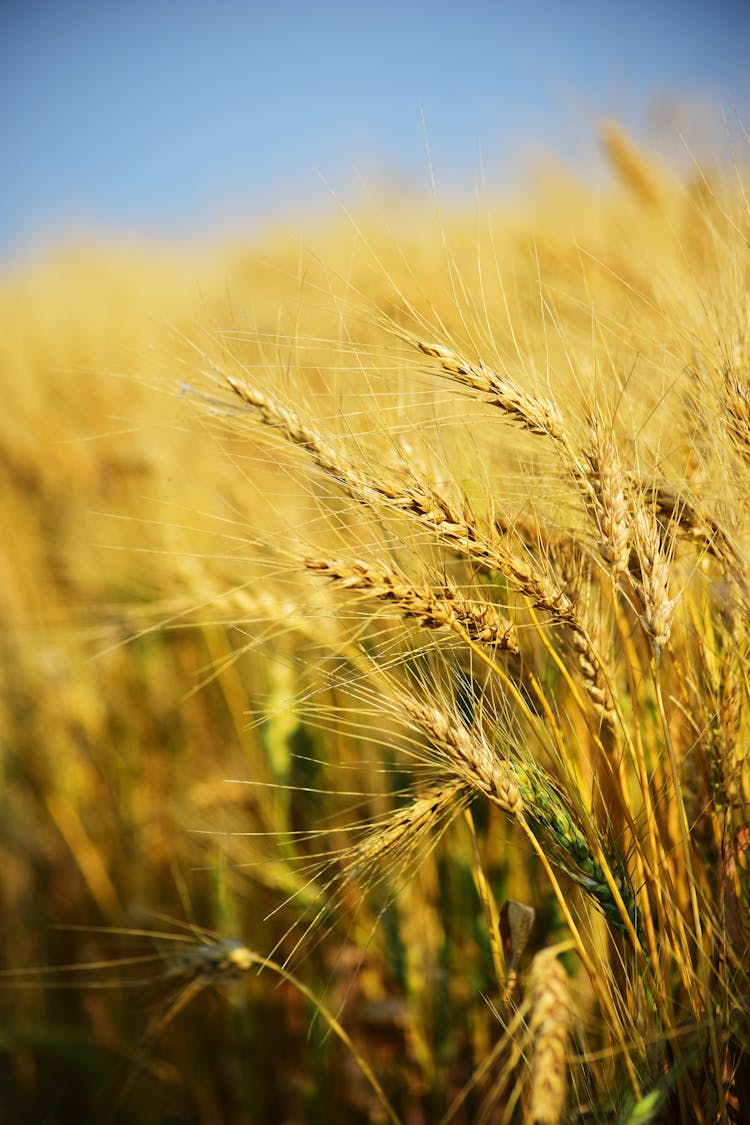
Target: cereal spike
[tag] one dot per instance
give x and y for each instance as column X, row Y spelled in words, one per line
column 532, row 412
column 550, row 1030
column 439, row 607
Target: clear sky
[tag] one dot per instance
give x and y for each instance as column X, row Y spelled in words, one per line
column 181, row 117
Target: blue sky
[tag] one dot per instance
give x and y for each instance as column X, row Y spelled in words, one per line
column 175, row 118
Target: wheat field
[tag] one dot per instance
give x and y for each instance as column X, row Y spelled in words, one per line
column 375, row 668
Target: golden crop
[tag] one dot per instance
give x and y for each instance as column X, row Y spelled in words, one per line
column 364, row 602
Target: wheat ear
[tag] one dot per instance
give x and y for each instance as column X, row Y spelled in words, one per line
column 466, row 753
column 599, row 481
column 550, row 1030
column 609, row 498
column 532, row 412
column 655, row 569
column 440, row 607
